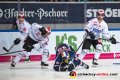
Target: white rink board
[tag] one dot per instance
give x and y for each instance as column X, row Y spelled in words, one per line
column 75, row 37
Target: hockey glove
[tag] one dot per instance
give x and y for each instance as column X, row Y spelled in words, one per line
column 43, row 31
column 17, row 41
column 91, row 34
column 28, row 48
column 62, row 68
column 71, row 67
column 113, row 40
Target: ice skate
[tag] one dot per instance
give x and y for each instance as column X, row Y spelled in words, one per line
column 44, row 65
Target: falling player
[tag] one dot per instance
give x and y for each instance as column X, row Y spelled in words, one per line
column 94, row 28
column 24, row 27
column 64, row 53
column 38, row 39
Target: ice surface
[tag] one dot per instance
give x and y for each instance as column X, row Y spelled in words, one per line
column 33, row 71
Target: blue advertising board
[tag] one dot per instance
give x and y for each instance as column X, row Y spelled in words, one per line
column 58, row 13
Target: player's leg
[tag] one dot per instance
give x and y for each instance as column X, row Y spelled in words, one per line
column 85, row 49
column 27, row 55
column 98, row 46
column 44, row 56
column 17, row 58
column 76, row 62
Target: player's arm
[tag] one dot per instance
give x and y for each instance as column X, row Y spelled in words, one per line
column 72, row 49
column 107, row 36
column 87, row 28
column 40, row 44
column 58, row 66
column 24, row 34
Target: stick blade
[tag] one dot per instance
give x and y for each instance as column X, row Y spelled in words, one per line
column 5, row 49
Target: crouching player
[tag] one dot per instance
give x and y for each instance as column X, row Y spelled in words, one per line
column 64, row 53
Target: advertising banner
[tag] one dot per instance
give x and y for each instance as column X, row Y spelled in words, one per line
column 58, row 13
column 73, row 38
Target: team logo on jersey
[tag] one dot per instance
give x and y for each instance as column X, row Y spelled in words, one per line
column 98, row 26
column 57, row 62
column 24, row 29
column 73, row 74
column 94, row 21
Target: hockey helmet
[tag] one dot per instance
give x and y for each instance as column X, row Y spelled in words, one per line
column 100, row 13
column 48, row 30
column 65, row 55
column 43, row 30
column 21, row 15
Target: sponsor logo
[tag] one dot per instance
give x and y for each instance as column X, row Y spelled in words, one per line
column 11, row 12
column 108, row 12
column 117, row 55
column 73, row 74
column 96, row 30
column 1, row 13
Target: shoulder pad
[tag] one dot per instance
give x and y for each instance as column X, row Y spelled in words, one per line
column 92, row 19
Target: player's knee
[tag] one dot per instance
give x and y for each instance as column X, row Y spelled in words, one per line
column 21, row 54
column 45, row 52
column 56, row 69
column 37, row 47
column 71, row 67
column 99, row 48
column 84, row 51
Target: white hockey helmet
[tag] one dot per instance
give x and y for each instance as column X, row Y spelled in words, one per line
column 48, row 30
column 100, row 13
column 21, row 15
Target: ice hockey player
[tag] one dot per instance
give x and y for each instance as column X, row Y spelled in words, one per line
column 24, row 27
column 64, row 53
column 94, row 28
column 38, row 40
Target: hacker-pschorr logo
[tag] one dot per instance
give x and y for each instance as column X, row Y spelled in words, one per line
column 12, row 12
column 1, row 13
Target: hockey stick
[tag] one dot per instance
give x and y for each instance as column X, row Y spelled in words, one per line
column 8, row 49
column 12, row 52
column 76, row 52
column 107, row 40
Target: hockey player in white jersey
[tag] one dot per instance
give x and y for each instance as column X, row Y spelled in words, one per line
column 24, row 27
column 38, row 40
column 94, row 28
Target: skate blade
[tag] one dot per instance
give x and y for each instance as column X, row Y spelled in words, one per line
column 11, row 67
column 94, row 65
column 27, row 61
column 44, row 67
